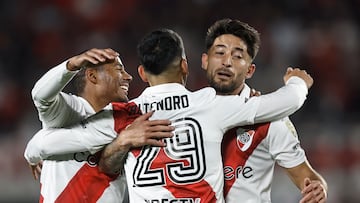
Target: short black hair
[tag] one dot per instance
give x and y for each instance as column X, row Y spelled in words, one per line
column 237, row 28
column 159, row 49
column 79, row 81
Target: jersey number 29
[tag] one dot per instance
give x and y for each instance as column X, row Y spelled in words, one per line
column 185, row 152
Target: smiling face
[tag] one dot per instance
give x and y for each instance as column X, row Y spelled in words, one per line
column 228, row 64
column 114, row 81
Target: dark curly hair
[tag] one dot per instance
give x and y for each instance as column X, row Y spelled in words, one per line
column 235, row 27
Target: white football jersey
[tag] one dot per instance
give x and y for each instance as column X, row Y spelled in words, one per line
column 190, row 168
column 249, row 156
column 73, row 176
column 70, row 172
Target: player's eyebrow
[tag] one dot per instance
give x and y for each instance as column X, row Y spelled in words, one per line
column 220, row 46
column 119, row 64
column 223, row 46
column 239, row 49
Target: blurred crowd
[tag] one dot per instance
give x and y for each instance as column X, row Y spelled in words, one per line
column 321, row 36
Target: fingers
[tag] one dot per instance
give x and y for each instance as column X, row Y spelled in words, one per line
column 299, row 73
column 307, row 181
column 100, row 55
column 93, row 56
column 254, row 92
column 144, row 117
column 156, row 143
column 306, row 198
column 160, row 123
column 313, row 191
column 288, row 70
column 146, row 132
column 36, row 170
column 143, row 120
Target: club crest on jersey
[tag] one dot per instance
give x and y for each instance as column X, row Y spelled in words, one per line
column 244, row 138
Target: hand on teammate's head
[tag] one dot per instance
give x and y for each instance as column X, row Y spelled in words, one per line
column 93, row 56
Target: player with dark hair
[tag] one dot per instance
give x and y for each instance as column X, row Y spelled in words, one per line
column 100, row 78
column 189, row 168
column 250, row 152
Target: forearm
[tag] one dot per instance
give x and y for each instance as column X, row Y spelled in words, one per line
column 51, row 142
column 315, row 176
column 113, row 158
column 51, row 83
column 282, row 102
column 304, row 170
column 32, row 152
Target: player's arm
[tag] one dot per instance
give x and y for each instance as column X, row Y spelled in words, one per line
column 51, row 142
column 89, row 135
column 285, row 100
column 285, row 147
column 140, row 133
column 93, row 136
column 312, row 185
column 268, row 107
column 46, row 93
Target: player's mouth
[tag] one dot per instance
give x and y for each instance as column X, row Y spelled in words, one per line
column 224, row 74
column 125, row 87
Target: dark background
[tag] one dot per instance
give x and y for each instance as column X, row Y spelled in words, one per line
column 321, row 36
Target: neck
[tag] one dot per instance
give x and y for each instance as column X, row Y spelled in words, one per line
column 236, row 91
column 163, row 79
column 94, row 101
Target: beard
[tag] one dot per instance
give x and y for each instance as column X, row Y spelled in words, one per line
column 222, row 88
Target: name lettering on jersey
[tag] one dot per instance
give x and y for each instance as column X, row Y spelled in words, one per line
column 91, row 159
column 133, row 110
column 234, row 173
column 167, row 104
column 177, row 200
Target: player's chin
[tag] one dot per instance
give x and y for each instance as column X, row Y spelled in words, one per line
column 122, row 98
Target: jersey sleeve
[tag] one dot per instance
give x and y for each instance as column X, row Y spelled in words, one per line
column 281, row 103
column 284, row 144
column 48, row 98
column 91, row 135
column 269, row 107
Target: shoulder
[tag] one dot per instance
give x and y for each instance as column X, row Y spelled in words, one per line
column 283, row 127
column 206, row 91
column 204, row 95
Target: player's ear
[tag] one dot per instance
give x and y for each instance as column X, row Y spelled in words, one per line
column 184, row 70
column 204, row 61
column 142, row 74
column 184, row 67
column 250, row 71
column 91, row 75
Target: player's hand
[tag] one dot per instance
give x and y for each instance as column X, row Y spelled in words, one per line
column 299, row 73
column 36, row 170
column 254, row 93
column 313, row 192
column 145, row 132
column 93, row 56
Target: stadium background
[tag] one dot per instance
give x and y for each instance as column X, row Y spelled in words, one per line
column 321, row 36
